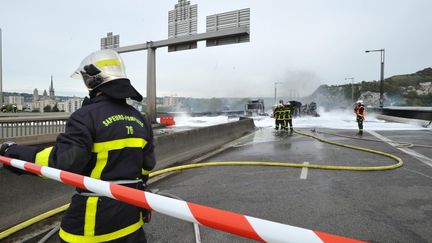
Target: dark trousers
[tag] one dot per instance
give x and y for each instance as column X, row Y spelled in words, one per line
column 288, row 122
column 360, row 125
column 279, row 123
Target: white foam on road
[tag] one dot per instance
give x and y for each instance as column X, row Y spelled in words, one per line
column 201, row 121
column 331, row 120
column 340, row 120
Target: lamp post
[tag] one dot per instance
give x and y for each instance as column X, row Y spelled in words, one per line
column 352, row 88
column 382, row 51
column 275, row 87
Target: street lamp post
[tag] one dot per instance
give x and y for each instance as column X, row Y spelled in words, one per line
column 382, row 51
column 275, row 89
column 352, row 88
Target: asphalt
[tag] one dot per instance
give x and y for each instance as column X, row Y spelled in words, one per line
column 381, row 206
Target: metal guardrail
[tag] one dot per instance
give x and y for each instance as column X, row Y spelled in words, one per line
column 11, row 127
column 422, row 113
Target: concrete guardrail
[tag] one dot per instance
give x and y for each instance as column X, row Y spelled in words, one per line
column 175, row 147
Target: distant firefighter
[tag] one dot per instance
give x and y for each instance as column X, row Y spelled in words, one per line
column 278, row 115
column 359, row 110
column 287, row 117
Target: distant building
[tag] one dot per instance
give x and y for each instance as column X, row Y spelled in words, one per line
column 73, row 104
column 62, row 106
column 33, row 106
column 15, row 99
column 183, row 19
column 170, row 100
column 39, row 102
column 35, row 95
column 45, row 95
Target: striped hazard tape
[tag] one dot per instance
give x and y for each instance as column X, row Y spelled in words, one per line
column 234, row 223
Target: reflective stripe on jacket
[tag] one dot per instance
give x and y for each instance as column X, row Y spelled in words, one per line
column 360, row 112
column 287, row 113
column 279, row 113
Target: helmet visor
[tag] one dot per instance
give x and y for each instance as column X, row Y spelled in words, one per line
column 108, row 62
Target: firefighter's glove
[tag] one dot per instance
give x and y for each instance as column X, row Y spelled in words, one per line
column 5, row 146
column 145, row 179
column 146, row 215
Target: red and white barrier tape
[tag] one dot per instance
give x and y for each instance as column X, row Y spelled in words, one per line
column 234, row 223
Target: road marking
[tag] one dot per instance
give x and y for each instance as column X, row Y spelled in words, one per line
column 304, row 172
column 424, row 159
column 414, row 171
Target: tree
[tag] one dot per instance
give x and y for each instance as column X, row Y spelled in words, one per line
column 215, row 105
column 9, row 108
column 55, row 108
column 357, row 92
column 47, row 108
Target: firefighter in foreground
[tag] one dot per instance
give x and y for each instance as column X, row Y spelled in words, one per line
column 278, row 115
column 288, row 117
column 359, row 110
column 106, row 139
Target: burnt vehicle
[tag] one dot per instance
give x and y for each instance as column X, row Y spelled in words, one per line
column 255, row 107
column 299, row 109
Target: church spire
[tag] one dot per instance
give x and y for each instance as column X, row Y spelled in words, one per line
column 51, row 89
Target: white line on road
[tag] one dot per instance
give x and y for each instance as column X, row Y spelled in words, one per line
column 304, row 172
column 426, row 160
column 414, row 171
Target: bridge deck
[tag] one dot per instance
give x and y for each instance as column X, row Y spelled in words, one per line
column 381, row 206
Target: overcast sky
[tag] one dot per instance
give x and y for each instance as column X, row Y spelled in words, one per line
column 300, row 43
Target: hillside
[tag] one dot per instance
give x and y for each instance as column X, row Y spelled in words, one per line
column 399, row 90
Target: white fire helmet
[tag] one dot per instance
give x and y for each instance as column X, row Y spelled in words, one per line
column 359, row 101
column 99, row 68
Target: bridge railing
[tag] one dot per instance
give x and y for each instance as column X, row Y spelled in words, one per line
column 11, row 127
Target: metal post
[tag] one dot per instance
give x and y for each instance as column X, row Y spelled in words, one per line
column 382, row 79
column 151, row 84
column 1, row 71
column 381, row 101
column 352, row 88
column 275, row 97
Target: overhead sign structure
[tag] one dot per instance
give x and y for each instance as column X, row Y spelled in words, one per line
column 110, row 42
column 182, row 21
column 229, row 28
column 226, row 21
